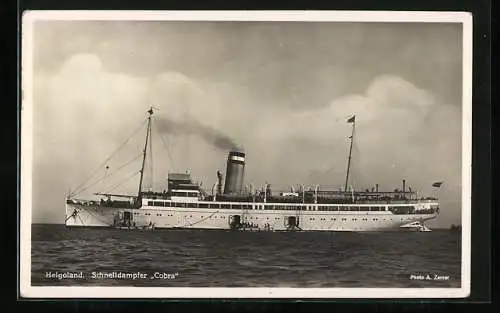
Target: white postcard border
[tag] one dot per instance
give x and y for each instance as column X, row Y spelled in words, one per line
column 28, row 19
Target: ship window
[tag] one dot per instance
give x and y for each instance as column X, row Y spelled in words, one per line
column 354, row 208
column 214, row 205
column 225, row 206
column 364, row 208
column 157, row 203
column 203, row 205
column 150, row 203
column 236, row 206
column 193, row 194
column 344, row 208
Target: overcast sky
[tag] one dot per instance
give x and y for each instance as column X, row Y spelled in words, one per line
column 281, row 90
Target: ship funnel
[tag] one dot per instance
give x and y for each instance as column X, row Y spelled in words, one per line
column 219, row 183
column 234, row 173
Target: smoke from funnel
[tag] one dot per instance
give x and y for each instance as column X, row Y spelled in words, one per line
column 205, row 132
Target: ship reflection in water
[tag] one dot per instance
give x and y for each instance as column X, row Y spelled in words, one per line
column 202, row 258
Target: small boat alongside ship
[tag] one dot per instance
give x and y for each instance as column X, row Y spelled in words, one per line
column 185, row 205
column 416, row 226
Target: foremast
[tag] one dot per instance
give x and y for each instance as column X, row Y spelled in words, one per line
column 148, row 136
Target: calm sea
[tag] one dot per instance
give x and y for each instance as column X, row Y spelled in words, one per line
column 196, row 258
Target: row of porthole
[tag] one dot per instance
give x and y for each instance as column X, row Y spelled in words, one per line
column 276, row 218
column 344, row 219
column 210, row 216
column 147, row 214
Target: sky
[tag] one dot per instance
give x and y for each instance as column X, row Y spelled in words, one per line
column 282, row 91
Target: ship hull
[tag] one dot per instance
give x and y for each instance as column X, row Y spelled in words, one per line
column 275, row 220
column 78, row 215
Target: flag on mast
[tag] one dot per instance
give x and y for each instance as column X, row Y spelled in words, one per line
column 351, row 119
column 437, row 184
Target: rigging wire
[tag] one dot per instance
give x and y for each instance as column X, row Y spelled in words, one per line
column 76, row 191
column 122, row 182
column 165, row 146
column 109, row 175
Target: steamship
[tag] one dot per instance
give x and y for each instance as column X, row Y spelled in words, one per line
column 230, row 206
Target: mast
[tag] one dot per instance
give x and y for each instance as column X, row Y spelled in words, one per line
column 148, row 131
column 353, row 121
